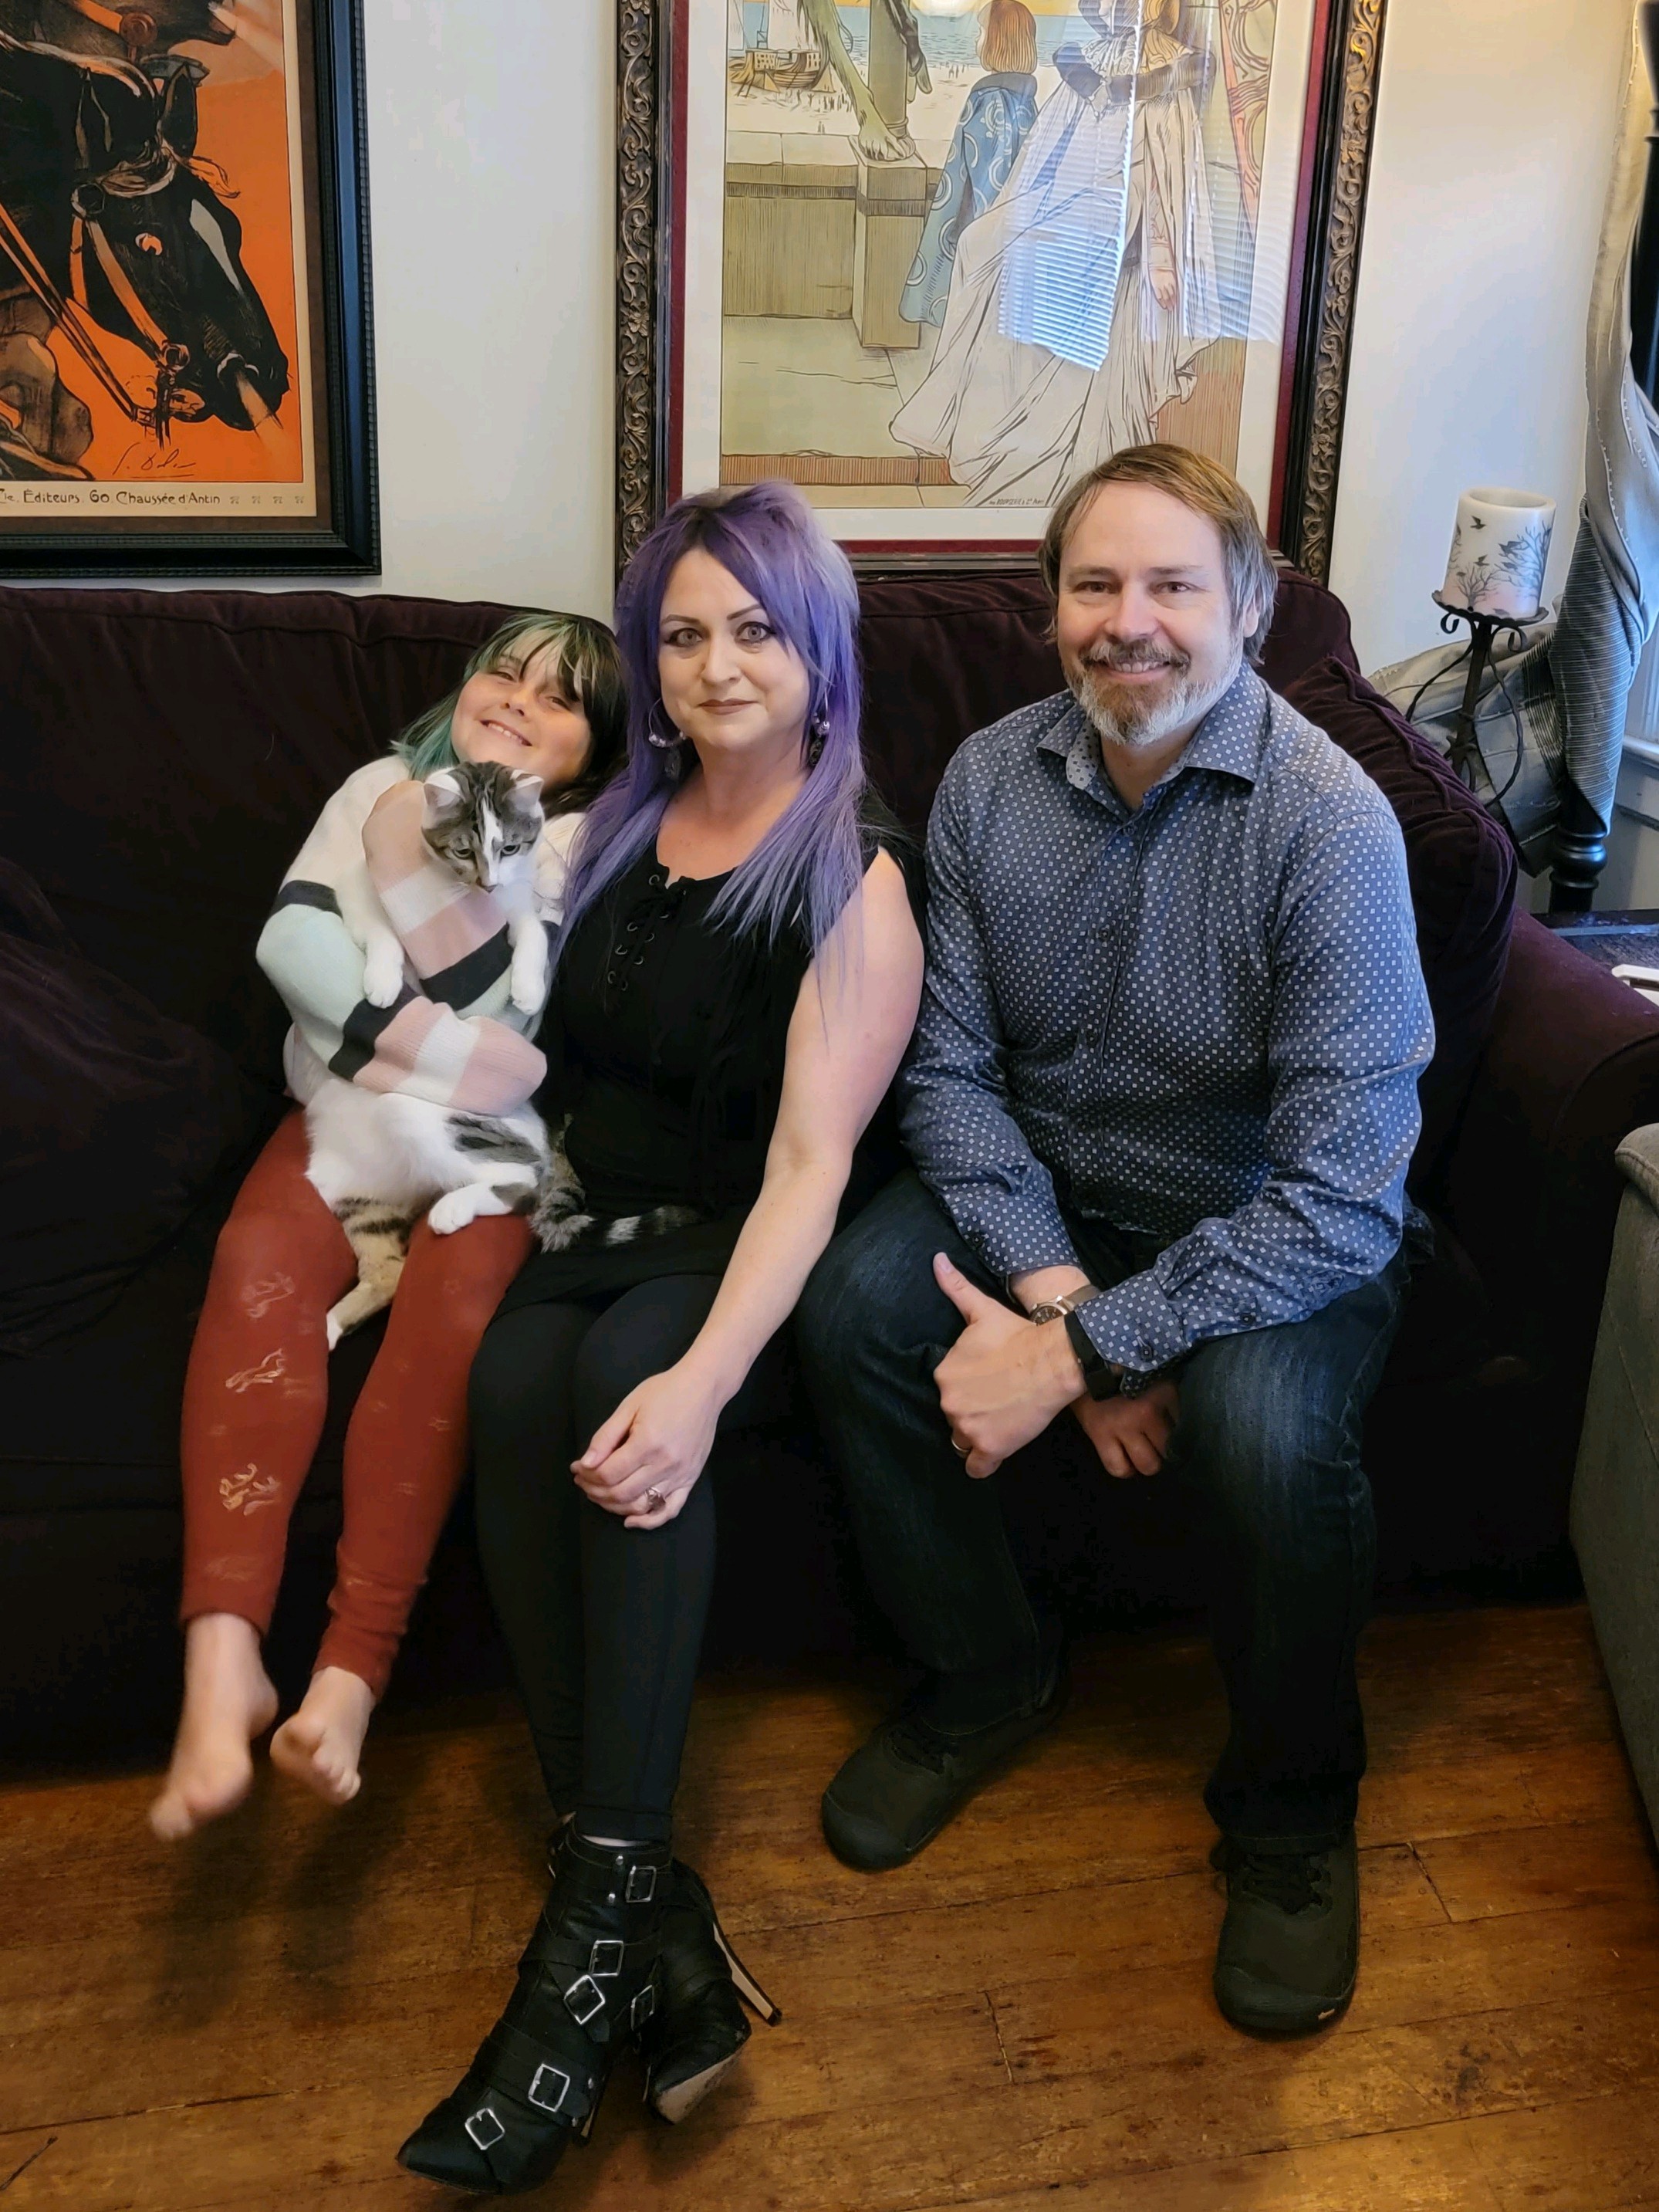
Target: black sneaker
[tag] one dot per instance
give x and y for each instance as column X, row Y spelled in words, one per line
column 897, row 1791
column 1289, row 1944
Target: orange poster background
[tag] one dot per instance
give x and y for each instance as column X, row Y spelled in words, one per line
column 244, row 128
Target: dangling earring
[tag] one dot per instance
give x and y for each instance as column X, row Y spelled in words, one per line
column 818, row 729
column 653, row 736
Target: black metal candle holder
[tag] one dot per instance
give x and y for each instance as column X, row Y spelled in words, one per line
column 1463, row 751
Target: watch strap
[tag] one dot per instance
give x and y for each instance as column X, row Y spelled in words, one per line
column 1099, row 1377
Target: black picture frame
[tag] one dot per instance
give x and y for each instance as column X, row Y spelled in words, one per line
column 1329, row 223
column 344, row 537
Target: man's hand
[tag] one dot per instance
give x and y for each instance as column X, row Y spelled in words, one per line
column 1131, row 1434
column 1003, row 1381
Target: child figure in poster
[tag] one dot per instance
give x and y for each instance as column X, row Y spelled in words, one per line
column 1082, row 300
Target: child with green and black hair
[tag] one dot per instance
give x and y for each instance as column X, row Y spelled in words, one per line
column 544, row 696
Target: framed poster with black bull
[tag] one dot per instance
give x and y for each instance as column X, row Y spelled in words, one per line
column 186, row 356
column 932, row 259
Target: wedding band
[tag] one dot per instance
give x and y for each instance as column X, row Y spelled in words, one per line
column 961, row 1450
column 654, row 1499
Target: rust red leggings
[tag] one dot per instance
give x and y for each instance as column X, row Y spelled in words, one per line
column 257, row 1391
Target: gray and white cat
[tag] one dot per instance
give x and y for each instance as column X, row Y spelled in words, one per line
column 484, row 822
column 381, row 1159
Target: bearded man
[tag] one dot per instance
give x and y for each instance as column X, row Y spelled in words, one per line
column 1161, row 1102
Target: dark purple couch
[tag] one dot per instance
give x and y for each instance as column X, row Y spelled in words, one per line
column 162, row 757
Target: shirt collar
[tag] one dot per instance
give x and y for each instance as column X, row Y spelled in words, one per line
column 1230, row 738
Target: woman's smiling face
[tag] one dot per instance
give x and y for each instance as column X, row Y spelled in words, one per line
column 523, row 717
column 729, row 681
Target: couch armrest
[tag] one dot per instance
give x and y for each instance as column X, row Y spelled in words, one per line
column 1638, row 1159
column 1570, row 1066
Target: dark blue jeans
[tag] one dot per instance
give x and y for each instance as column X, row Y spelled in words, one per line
column 1268, row 1447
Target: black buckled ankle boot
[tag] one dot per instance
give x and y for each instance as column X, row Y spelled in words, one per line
column 586, row 1986
column 695, row 2035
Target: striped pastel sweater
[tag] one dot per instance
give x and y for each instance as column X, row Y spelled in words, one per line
column 452, row 1036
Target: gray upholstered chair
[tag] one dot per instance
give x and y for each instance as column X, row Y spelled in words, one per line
column 1615, row 1497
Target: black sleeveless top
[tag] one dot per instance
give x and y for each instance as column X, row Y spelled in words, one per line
column 665, row 1035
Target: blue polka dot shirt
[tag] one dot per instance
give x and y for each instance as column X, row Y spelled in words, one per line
column 1204, row 1016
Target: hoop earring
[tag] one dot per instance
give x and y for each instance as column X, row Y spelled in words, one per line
column 652, row 737
column 818, row 730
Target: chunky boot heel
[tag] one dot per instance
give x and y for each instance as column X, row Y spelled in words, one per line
column 694, row 2036
column 587, row 1984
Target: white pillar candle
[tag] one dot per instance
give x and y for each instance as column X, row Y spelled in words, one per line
column 1499, row 549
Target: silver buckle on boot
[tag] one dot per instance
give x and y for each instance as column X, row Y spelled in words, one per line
column 578, row 2005
column 485, row 2127
column 642, row 2006
column 544, row 2078
column 641, row 1885
column 610, row 1948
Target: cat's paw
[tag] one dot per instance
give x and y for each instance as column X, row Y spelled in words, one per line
column 382, row 975
column 455, row 1209
column 527, row 984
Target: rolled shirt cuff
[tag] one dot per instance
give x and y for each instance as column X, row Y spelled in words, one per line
column 1135, row 1327
column 1015, row 1236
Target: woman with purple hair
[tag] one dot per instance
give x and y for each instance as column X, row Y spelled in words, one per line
column 736, row 978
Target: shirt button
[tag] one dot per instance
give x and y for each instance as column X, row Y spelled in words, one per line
column 1146, row 1350
column 1249, row 1316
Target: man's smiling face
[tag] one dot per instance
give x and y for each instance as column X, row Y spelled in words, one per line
column 1144, row 618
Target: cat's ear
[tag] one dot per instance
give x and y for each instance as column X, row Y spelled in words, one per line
column 526, row 784
column 443, row 793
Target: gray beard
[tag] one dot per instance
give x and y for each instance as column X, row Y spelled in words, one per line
column 1142, row 724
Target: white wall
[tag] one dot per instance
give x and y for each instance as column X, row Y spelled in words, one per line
column 491, row 140
column 1495, row 129
column 491, row 190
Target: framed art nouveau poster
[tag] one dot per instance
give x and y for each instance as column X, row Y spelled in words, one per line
column 184, row 358
column 931, row 259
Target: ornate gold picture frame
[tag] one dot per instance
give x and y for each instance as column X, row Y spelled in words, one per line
column 930, row 258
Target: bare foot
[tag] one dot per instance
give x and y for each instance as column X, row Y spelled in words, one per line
column 228, row 1701
column 320, row 1745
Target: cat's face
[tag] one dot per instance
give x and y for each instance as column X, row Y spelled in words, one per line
column 481, row 819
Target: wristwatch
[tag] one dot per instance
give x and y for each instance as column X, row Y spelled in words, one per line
column 1100, row 1378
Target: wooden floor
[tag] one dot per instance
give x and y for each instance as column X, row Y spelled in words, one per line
column 1022, row 2020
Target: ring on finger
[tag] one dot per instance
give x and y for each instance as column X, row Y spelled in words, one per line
column 654, row 1499
column 961, row 1450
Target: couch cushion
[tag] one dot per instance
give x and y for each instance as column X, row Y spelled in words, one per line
column 116, row 1120
column 1463, row 870
column 192, row 737
column 91, row 1421
column 945, row 655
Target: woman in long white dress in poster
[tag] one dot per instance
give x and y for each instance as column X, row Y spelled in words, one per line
column 1084, row 297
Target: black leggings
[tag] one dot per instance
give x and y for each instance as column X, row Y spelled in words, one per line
column 604, row 1623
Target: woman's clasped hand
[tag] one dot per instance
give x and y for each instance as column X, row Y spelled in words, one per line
column 643, row 1461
